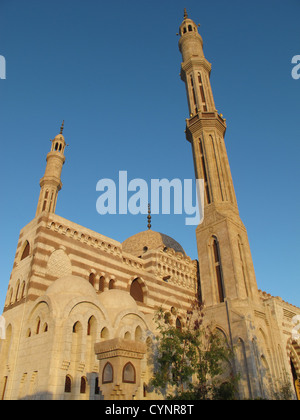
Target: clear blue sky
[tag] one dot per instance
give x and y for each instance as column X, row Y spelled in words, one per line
column 110, row 69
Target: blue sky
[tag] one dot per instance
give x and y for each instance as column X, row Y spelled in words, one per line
column 111, row 71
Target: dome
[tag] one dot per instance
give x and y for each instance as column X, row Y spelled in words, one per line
column 138, row 244
column 116, row 301
column 71, row 285
column 59, row 137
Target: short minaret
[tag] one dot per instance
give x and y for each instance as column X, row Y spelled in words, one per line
column 51, row 182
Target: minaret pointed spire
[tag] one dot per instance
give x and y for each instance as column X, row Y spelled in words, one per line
column 149, row 216
column 62, row 127
column 185, row 14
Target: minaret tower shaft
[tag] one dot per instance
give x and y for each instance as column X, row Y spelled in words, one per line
column 51, row 182
column 205, row 127
column 225, row 262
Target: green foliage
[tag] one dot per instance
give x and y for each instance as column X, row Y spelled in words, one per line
column 284, row 391
column 189, row 361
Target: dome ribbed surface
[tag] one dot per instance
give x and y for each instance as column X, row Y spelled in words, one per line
column 138, row 244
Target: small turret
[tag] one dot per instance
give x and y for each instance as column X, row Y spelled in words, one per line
column 190, row 40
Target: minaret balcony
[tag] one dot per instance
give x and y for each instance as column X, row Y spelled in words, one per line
column 203, row 120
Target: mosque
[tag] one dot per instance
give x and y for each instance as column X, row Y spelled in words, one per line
column 79, row 307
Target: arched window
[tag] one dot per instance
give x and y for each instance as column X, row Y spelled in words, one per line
column 22, row 290
column 178, row 324
column 26, row 251
column 11, row 293
column 206, row 184
column 194, row 94
column 68, row 384
column 45, row 200
column 127, row 336
column 218, row 270
column 77, row 327
column 129, row 373
column 92, row 279
column 104, row 333
column 136, row 291
column 138, row 334
column 17, row 292
column 101, row 284
column 83, row 382
column 38, row 324
column 202, row 95
column 92, row 326
column 111, row 284
column 241, row 253
column 108, row 374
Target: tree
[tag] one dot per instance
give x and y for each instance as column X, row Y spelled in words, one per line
column 284, row 390
column 190, row 359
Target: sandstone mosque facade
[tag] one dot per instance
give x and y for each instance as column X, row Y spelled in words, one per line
column 79, row 306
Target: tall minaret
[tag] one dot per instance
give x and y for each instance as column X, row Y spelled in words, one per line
column 51, row 182
column 225, row 262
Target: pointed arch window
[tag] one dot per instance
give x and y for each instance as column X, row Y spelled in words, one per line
column 92, row 279
column 92, row 326
column 202, row 95
column 17, row 292
column 129, row 376
column 108, row 374
column 83, row 382
column 218, row 270
column 26, row 251
column 45, row 200
column 136, row 291
column 241, row 254
column 101, row 284
column 206, row 185
column 68, row 384
column 22, row 290
column 178, row 324
column 194, row 94
column 111, row 284
column 38, row 325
